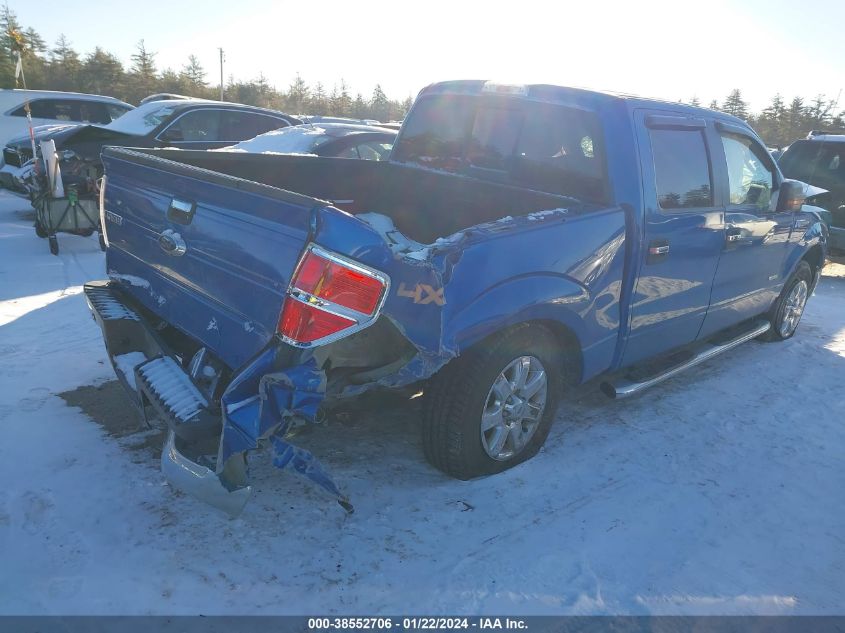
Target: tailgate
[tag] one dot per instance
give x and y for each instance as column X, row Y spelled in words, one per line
column 209, row 253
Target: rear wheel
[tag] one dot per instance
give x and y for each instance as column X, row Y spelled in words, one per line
column 54, row 245
column 492, row 408
column 788, row 309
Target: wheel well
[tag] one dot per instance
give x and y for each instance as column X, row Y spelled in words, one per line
column 815, row 257
column 570, row 346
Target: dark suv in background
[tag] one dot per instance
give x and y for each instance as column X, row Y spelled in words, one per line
column 819, row 160
column 182, row 123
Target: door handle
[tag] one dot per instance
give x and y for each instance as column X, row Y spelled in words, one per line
column 172, row 243
column 658, row 250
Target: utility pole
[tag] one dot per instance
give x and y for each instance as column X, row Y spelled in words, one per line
column 221, row 73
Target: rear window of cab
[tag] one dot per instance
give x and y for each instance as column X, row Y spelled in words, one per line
column 549, row 147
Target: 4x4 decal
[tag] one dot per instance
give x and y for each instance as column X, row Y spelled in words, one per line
column 422, row 294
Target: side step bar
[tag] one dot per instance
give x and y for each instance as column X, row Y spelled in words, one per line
column 625, row 387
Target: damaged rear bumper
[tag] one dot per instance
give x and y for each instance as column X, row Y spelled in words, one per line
column 200, row 481
column 152, row 378
column 256, row 410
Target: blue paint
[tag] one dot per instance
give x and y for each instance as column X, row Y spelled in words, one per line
column 584, row 268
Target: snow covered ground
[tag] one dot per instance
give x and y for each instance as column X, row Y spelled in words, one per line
column 720, row 491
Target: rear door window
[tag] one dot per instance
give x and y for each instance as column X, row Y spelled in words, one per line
column 116, row 111
column 40, row 109
column 74, row 110
column 94, row 112
column 199, row 126
column 681, row 169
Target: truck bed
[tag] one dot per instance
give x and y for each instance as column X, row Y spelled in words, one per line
column 424, row 205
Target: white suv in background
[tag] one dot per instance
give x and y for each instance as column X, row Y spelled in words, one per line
column 47, row 108
column 50, row 107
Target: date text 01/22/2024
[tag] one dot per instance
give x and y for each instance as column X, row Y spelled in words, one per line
column 415, row 623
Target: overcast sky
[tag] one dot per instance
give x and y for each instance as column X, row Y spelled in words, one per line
column 669, row 50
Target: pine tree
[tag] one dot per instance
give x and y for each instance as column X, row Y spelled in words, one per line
column 319, row 102
column 818, row 112
column 101, row 72
column 714, row 105
column 359, row 107
column 794, row 120
column 64, row 66
column 10, row 41
column 735, row 105
column 694, row 101
column 405, row 107
column 143, row 73
column 297, row 96
column 340, row 103
column 379, row 105
column 194, row 73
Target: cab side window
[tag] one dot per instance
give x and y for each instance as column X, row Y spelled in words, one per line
column 199, row 126
column 681, row 169
column 750, row 177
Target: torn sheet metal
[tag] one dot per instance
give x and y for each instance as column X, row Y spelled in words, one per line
column 285, row 397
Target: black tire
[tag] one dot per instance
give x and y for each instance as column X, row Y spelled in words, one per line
column 54, row 245
column 803, row 273
column 457, row 396
column 40, row 231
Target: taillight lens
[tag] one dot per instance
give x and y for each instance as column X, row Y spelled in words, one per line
column 328, row 296
column 334, row 282
column 305, row 323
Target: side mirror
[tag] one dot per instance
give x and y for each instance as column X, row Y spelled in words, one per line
column 790, row 196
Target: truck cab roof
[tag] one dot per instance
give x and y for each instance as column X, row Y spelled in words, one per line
column 563, row 95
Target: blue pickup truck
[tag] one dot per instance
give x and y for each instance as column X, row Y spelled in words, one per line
column 519, row 241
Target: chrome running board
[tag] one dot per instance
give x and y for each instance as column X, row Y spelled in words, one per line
column 624, row 387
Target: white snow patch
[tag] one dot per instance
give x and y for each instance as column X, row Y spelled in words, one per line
column 212, row 325
column 300, row 139
column 132, row 280
column 127, row 363
column 540, row 215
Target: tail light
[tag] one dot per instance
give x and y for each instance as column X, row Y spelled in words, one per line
column 329, row 297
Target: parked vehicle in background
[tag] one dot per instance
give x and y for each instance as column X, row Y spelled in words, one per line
column 188, row 124
column 319, row 118
column 820, row 161
column 339, row 140
column 775, row 152
column 51, row 107
column 520, row 240
column 164, row 96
